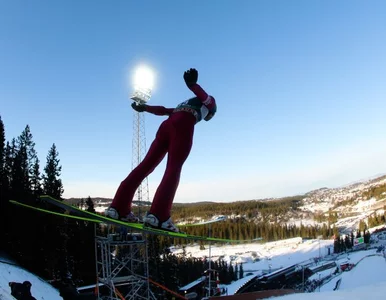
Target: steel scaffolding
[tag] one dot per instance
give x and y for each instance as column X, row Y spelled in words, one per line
column 122, row 266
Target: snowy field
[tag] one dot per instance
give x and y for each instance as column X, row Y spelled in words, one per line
column 367, row 280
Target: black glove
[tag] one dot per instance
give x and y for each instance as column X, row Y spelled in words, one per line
column 138, row 107
column 190, row 77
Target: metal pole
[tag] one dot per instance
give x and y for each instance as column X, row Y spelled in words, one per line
column 319, row 250
column 319, row 282
column 303, row 279
column 96, row 260
column 210, row 258
column 219, row 219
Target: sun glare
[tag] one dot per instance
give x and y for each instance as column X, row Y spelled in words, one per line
column 144, row 78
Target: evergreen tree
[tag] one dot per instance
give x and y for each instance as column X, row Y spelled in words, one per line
column 20, row 158
column 347, row 242
column 337, row 247
column 3, row 184
column 241, row 271
column 8, row 164
column 90, row 205
column 19, row 165
column 342, row 245
column 52, row 184
column 26, row 143
column 366, row 237
column 20, row 179
column 36, row 178
column 223, row 274
column 57, row 231
column 6, row 208
column 362, row 227
column 81, row 203
column 231, row 273
column 2, row 152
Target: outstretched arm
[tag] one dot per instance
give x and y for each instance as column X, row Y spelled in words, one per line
column 190, row 78
column 159, row 110
column 156, row 110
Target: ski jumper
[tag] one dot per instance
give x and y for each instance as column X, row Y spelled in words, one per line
column 174, row 137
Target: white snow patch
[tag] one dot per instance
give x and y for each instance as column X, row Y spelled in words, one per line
column 40, row 289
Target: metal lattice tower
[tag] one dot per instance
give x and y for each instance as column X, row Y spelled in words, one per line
column 140, row 96
column 138, row 153
column 126, row 276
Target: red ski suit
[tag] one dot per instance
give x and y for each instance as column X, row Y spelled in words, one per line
column 174, row 137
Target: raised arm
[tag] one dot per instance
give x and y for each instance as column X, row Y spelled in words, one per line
column 190, row 78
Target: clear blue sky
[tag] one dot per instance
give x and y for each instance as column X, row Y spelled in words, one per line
column 300, row 87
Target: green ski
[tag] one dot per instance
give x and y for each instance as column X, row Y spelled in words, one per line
column 54, row 213
column 88, row 216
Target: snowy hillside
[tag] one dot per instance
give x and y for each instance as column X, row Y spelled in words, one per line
column 351, row 203
column 324, row 199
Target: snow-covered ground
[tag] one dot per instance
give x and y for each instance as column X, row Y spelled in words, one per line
column 264, row 256
column 367, row 280
column 40, row 289
column 368, row 277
